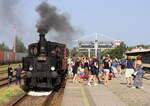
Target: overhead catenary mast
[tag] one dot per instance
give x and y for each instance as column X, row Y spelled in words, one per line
column 45, row 0
column 95, row 45
column 14, row 35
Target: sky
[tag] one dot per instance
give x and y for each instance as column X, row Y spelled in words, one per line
column 125, row 20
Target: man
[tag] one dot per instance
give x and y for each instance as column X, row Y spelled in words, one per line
column 129, row 71
column 10, row 74
column 18, row 74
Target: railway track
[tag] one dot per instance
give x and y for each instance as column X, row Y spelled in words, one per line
column 26, row 100
column 53, row 99
column 4, row 81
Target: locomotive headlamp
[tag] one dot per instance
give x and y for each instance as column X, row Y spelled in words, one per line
column 52, row 68
column 30, row 67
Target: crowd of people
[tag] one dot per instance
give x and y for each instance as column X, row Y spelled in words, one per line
column 94, row 71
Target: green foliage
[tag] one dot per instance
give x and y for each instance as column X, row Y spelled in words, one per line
column 4, row 47
column 20, row 47
column 75, row 52
column 3, row 68
column 118, row 51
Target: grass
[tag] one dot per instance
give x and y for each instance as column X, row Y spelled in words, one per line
column 3, row 68
column 3, row 72
column 7, row 93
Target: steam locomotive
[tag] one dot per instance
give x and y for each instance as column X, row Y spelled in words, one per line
column 45, row 65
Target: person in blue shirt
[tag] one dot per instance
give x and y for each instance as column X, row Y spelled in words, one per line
column 123, row 63
column 114, row 66
column 18, row 74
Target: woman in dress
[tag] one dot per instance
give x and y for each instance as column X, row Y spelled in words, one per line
column 138, row 77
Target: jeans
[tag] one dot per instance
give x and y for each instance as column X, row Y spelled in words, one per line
column 9, row 79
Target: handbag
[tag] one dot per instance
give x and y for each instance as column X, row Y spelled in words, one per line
column 110, row 74
column 134, row 73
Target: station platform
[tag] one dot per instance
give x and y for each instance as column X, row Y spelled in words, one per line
column 83, row 95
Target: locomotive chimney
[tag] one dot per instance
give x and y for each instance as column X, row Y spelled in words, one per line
column 42, row 44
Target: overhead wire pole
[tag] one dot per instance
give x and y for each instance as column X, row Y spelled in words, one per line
column 14, row 35
column 96, row 44
column 45, row 0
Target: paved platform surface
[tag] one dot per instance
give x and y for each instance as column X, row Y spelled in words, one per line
column 84, row 95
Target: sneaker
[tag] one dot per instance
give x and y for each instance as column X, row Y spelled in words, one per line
column 95, row 84
column 89, row 84
column 129, row 85
column 141, row 87
column 133, row 87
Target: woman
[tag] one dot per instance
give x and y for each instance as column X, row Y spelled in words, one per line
column 75, row 70
column 106, row 67
column 81, row 71
column 114, row 66
column 94, row 71
column 129, row 70
column 137, row 79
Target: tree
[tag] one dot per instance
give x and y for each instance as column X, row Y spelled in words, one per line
column 4, row 47
column 118, row 51
column 75, row 52
column 20, row 47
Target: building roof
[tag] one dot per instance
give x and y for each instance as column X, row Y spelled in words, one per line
column 138, row 50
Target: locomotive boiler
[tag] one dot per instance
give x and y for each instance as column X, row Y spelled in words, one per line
column 45, row 64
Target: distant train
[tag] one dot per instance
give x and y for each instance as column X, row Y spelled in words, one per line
column 11, row 57
column 45, row 65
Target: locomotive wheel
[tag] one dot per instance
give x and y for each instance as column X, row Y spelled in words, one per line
column 25, row 88
column 27, row 82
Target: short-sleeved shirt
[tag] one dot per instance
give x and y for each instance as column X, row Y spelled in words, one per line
column 129, row 64
column 68, row 61
column 114, row 63
column 9, row 71
column 106, row 64
column 123, row 61
column 18, row 71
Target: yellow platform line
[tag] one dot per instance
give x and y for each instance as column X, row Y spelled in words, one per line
column 84, row 97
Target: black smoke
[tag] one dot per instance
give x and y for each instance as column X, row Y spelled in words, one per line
column 52, row 20
column 11, row 22
column 8, row 13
